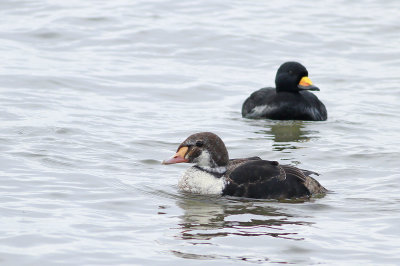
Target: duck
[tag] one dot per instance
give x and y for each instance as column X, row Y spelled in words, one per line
column 292, row 98
column 213, row 173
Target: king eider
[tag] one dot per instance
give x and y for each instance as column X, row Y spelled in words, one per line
column 215, row 173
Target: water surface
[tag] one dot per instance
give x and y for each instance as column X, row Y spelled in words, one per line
column 95, row 94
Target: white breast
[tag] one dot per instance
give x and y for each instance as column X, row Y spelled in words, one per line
column 195, row 180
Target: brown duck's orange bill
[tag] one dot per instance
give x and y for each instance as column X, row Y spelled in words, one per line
column 179, row 157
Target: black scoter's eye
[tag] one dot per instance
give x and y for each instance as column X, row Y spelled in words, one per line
column 290, row 72
column 199, row 143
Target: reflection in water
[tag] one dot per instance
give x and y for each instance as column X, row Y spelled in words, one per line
column 208, row 217
column 286, row 133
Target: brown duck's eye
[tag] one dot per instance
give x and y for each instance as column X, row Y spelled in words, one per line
column 199, row 143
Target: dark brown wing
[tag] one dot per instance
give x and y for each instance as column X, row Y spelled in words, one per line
column 295, row 172
column 265, row 179
column 310, row 183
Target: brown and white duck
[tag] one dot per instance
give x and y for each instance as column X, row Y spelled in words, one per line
column 215, row 173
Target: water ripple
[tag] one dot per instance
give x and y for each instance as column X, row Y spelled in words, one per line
column 95, row 95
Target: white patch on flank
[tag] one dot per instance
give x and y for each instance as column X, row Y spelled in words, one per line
column 195, row 180
column 260, row 110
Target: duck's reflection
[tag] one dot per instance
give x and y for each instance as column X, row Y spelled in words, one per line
column 208, row 217
column 286, row 134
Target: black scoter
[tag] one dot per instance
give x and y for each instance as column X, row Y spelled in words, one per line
column 290, row 100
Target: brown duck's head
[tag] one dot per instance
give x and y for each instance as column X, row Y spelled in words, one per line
column 204, row 149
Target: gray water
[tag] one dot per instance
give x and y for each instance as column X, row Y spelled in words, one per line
column 95, row 94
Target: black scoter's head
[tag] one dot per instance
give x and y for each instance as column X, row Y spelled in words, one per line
column 293, row 77
column 205, row 149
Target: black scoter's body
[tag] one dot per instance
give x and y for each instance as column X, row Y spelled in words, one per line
column 290, row 100
column 267, row 103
